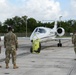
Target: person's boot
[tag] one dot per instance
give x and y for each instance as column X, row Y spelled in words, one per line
column 75, row 57
column 0, row 66
column 15, row 66
column 7, row 66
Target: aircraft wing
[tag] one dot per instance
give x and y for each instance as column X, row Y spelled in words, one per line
column 54, row 39
column 63, row 38
column 2, row 37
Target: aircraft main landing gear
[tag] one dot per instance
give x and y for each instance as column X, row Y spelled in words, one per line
column 59, row 44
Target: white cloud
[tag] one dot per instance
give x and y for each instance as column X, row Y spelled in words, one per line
column 43, row 9
column 73, row 3
column 5, row 10
column 38, row 9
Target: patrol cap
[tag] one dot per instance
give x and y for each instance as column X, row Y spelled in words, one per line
column 9, row 28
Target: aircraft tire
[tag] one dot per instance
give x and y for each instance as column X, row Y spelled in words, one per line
column 39, row 49
column 59, row 45
column 31, row 50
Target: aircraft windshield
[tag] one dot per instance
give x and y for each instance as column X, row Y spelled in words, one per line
column 40, row 30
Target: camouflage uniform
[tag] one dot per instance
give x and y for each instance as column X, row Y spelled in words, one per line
column 11, row 45
column 0, row 45
column 74, row 42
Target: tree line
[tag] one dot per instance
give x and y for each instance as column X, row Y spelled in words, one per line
column 19, row 24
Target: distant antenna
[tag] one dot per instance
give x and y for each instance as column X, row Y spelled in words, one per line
column 47, row 21
column 60, row 19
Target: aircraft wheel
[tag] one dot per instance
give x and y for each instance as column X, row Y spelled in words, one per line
column 39, row 49
column 59, row 45
column 31, row 50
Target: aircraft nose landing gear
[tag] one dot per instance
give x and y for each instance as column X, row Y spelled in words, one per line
column 59, row 44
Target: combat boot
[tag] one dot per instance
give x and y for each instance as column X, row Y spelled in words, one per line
column 15, row 66
column 0, row 66
column 7, row 66
column 75, row 57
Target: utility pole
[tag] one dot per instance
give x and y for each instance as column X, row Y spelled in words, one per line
column 26, row 26
column 25, row 21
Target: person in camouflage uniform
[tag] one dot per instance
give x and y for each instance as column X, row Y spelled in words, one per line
column 11, row 45
column 0, row 52
column 74, row 42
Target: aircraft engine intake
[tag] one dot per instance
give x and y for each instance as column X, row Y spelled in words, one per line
column 60, row 31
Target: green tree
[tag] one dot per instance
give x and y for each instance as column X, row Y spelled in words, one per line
column 17, row 24
column 31, row 22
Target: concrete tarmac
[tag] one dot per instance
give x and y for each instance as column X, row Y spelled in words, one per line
column 52, row 60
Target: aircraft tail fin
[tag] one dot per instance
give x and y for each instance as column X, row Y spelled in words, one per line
column 55, row 25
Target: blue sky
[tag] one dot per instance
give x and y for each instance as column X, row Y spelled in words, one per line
column 64, row 4
column 16, row 3
column 38, row 9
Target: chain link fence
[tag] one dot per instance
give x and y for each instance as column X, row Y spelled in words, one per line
column 28, row 34
column 18, row 34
